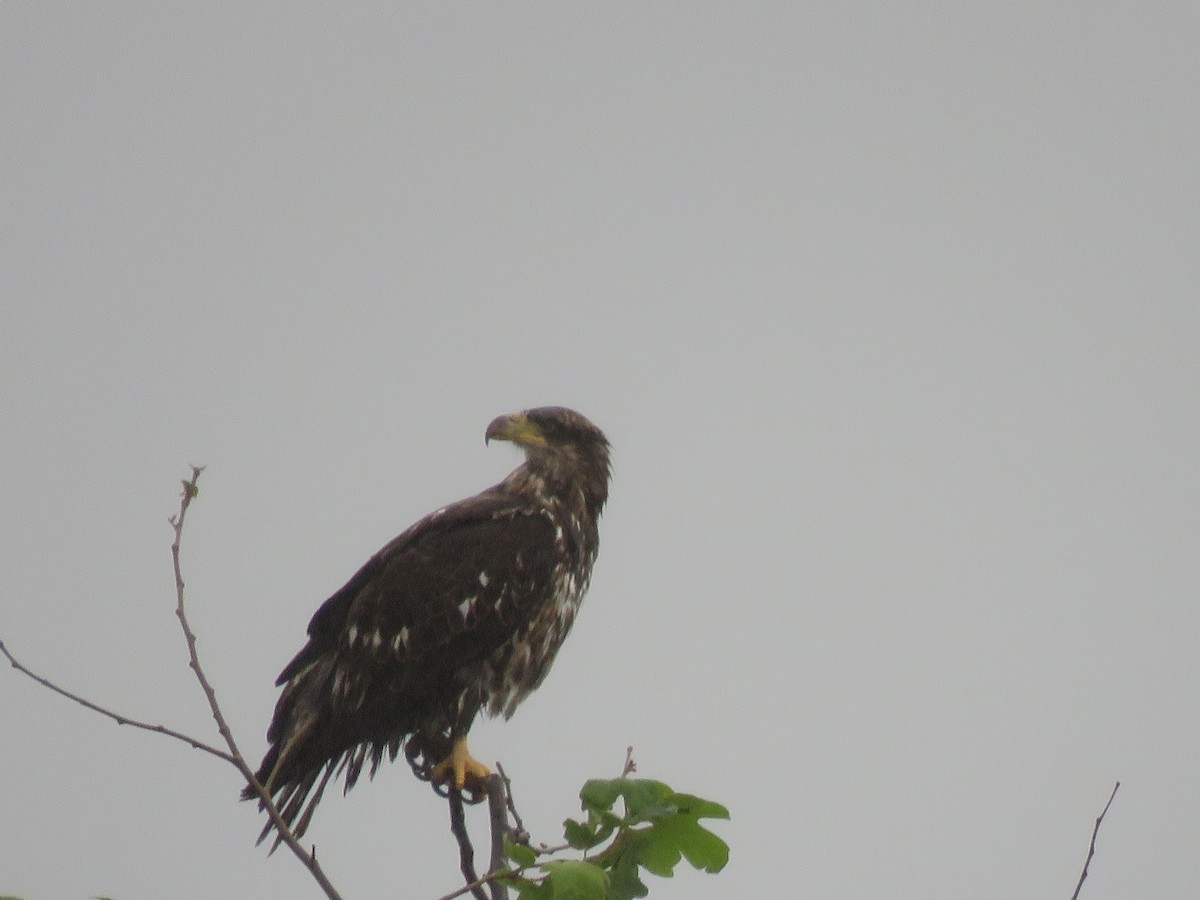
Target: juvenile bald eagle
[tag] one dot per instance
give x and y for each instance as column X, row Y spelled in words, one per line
column 463, row 612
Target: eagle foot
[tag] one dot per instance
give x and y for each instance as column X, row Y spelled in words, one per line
column 460, row 770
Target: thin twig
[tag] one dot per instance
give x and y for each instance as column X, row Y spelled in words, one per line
column 307, row 857
column 116, row 717
column 630, row 766
column 466, row 853
column 1092, row 847
column 189, row 492
column 475, row 888
column 519, row 834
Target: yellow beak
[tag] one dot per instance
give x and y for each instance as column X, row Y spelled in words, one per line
column 516, row 428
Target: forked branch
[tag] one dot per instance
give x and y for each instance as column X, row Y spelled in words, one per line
column 234, row 757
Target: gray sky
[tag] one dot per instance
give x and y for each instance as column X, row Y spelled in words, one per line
column 891, row 316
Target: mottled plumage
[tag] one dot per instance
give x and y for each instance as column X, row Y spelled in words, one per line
column 463, row 612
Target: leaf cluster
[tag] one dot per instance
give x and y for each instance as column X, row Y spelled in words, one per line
column 652, row 829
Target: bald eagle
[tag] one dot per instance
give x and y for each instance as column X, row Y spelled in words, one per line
column 465, row 611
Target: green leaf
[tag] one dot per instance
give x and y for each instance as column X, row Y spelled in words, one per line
column 699, row 808
column 624, row 882
column 576, row 880
column 645, row 799
column 659, row 827
column 655, row 851
column 522, row 854
column 580, row 836
column 599, row 794
column 699, row 846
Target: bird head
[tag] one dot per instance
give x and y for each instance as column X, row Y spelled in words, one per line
column 561, row 446
column 546, row 425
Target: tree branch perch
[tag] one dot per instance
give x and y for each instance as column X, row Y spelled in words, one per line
column 234, row 757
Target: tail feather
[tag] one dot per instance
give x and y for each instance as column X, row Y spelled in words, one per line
column 317, row 735
column 263, row 775
column 301, row 825
column 301, row 746
column 295, row 806
column 290, row 790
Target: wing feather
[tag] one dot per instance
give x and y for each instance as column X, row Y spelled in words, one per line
column 395, row 646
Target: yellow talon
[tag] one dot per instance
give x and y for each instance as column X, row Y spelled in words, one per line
column 460, row 765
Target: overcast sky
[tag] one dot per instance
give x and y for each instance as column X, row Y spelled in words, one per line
column 891, row 316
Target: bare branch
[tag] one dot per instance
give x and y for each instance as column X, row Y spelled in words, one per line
column 1092, row 847
column 190, row 490
column 498, row 816
column 307, row 857
column 116, row 717
column 466, row 853
column 475, row 888
column 518, row 832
